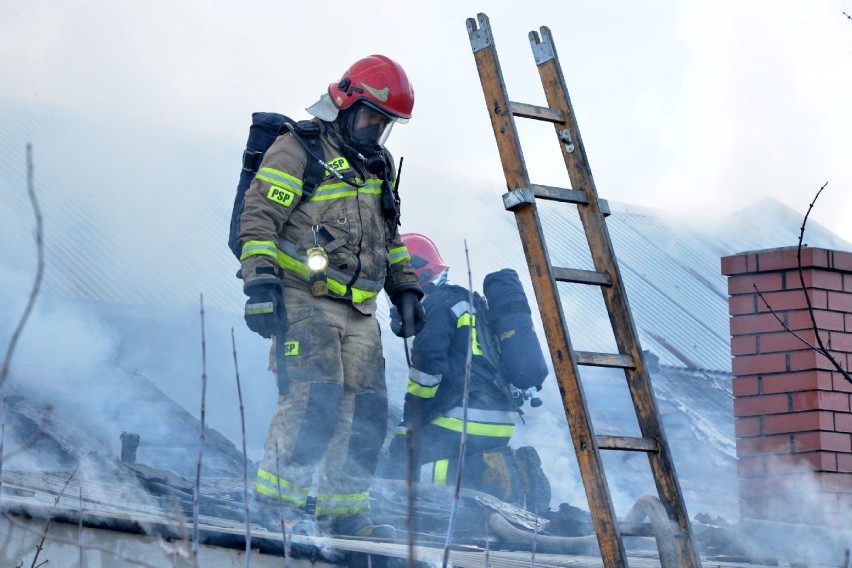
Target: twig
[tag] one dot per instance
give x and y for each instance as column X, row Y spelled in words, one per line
column 196, row 496
column 465, row 397
column 245, row 456
column 411, row 442
column 847, row 15
column 820, row 347
column 39, row 237
column 40, row 545
column 285, row 542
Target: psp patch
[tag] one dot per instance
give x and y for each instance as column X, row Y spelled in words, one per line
column 280, row 195
column 291, row 348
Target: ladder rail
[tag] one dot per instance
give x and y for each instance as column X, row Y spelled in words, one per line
column 615, row 297
column 544, row 286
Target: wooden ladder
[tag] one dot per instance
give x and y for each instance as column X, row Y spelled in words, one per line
column 521, row 200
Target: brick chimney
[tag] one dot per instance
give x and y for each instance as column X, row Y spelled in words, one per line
column 792, row 407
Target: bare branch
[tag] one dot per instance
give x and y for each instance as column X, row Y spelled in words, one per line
column 245, row 456
column 847, row 15
column 196, row 496
column 4, row 371
column 786, row 327
column 40, row 545
column 465, row 399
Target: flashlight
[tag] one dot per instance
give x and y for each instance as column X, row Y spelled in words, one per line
column 317, row 264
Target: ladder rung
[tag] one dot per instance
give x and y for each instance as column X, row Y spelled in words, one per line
column 577, row 276
column 536, row 112
column 566, row 196
column 626, row 443
column 604, row 360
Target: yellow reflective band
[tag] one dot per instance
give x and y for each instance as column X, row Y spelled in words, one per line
column 255, row 248
column 300, row 269
column 291, row 348
column 467, row 319
column 398, row 255
column 343, row 189
column 421, row 391
column 476, row 428
column 339, row 163
column 263, row 309
column 439, row 475
column 280, row 195
column 338, row 504
column 281, row 179
column 273, row 486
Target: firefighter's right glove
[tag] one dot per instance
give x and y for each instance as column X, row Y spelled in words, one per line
column 265, row 312
column 411, row 315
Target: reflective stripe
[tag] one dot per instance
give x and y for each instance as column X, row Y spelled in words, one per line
column 259, row 308
column 273, row 486
column 362, row 289
column 465, row 319
column 342, row 189
column 279, row 178
column 422, row 378
column 462, row 307
column 475, row 428
column 439, row 472
column 342, row 504
column 255, row 248
column 421, row 391
column 482, row 415
column 398, row 255
column 400, row 431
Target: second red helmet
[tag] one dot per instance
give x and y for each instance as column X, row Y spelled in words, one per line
column 379, row 82
column 425, row 258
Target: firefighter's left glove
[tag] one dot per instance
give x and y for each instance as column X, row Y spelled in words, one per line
column 411, row 315
column 265, row 312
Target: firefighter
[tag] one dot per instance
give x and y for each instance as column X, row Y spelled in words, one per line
column 318, row 264
column 433, row 412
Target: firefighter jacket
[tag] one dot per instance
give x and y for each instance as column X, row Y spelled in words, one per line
column 438, row 361
column 278, row 225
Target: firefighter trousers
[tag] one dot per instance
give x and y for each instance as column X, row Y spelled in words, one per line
column 333, row 419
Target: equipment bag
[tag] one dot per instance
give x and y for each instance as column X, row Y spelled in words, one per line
column 265, row 128
column 510, row 319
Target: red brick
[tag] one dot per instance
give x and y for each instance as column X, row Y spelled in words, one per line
column 785, row 341
column 774, row 485
column 821, row 400
column 808, row 360
column 764, row 445
column 798, row 422
column 759, row 364
column 746, row 427
column 744, row 386
column 751, row 466
column 840, row 482
column 839, row 301
column 801, row 319
column 840, row 260
column 847, row 322
column 743, row 304
column 797, row 463
column 841, row 383
column 784, row 258
column 799, row 381
column 744, row 345
column 737, row 264
column 838, row 341
column 791, row 300
column 842, row 422
column 756, row 323
column 844, row 464
column 827, row 441
column 815, row 278
column 761, row 404
column 847, row 282
column 746, row 283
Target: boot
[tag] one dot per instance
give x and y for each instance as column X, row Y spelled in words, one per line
column 268, row 513
column 360, row 524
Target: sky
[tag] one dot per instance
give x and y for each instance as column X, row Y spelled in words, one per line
column 693, row 107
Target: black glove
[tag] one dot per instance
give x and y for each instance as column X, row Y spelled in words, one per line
column 410, row 314
column 265, row 312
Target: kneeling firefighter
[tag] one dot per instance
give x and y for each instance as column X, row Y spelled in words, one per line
column 507, row 366
column 318, row 239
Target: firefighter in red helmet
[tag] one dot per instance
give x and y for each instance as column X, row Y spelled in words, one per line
column 314, row 258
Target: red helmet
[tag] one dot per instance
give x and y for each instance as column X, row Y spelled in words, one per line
column 425, row 258
column 377, row 81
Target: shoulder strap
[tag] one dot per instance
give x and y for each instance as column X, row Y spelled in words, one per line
column 307, row 133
